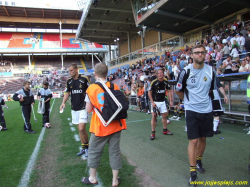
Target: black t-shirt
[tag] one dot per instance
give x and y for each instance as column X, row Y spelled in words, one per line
column 146, row 72
column 158, row 89
column 77, row 88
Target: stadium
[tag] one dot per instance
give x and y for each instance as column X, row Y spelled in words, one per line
column 41, row 39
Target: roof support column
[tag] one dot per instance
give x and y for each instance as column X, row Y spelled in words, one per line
column 118, row 51
column 159, row 40
column 129, row 45
column 29, row 62
column 62, row 60
column 103, row 58
column 142, row 44
column 109, row 52
column 181, row 38
column 93, row 61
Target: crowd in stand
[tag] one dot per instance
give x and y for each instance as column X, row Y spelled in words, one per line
column 228, row 51
column 6, row 66
column 37, row 80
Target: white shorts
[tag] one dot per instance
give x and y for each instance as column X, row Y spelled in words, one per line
column 80, row 116
column 161, row 106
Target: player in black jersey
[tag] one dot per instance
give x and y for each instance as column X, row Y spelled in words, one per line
column 156, row 95
column 76, row 86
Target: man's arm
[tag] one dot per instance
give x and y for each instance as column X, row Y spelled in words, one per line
column 49, row 96
column 224, row 94
column 151, row 98
column 181, row 84
column 65, row 98
column 89, row 106
column 180, row 94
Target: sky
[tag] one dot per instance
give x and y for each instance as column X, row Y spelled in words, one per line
column 54, row 4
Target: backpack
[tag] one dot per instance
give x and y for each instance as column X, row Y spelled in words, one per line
column 111, row 111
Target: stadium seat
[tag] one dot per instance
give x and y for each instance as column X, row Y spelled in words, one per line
column 51, row 37
column 18, row 43
column 66, row 44
column 5, row 36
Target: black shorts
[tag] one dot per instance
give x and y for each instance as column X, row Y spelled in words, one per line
column 199, row 124
column 218, row 113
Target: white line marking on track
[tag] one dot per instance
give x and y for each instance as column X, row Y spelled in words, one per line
column 77, row 137
column 73, row 129
column 137, row 120
column 26, row 175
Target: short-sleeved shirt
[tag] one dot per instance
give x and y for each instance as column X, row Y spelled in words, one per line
column 158, row 89
column 45, row 93
column 77, row 88
column 197, row 88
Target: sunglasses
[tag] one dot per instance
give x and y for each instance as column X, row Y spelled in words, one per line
column 199, row 52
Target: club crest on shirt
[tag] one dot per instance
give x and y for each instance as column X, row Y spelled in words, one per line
column 205, row 78
column 179, row 86
column 80, row 86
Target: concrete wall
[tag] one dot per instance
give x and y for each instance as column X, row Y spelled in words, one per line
column 167, row 36
column 151, row 38
column 124, row 49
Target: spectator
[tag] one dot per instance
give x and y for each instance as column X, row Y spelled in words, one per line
column 176, row 71
column 244, row 67
column 247, row 46
column 140, row 98
column 225, row 50
column 101, row 135
column 235, row 52
column 218, row 57
column 183, row 63
column 242, row 42
column 190, row 60
column 227, row 65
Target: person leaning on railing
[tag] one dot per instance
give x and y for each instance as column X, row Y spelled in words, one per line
column 244, row 67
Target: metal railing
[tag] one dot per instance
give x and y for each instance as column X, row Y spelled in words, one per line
column 149, row 50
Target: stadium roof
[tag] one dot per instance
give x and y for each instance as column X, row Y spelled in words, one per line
column 107, row 21
column 178, row 16
column 38, row 18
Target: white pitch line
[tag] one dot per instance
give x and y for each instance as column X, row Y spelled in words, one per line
column 26, row 175
column 98, row 179
column 138, row 120
column 70, row 123
column 77, row 137
column 73, row 129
